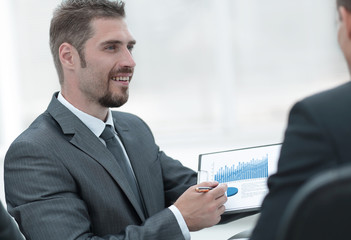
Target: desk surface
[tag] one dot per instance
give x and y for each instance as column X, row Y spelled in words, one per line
column 225, row 231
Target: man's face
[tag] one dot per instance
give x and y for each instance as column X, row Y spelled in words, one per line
column 109, row 63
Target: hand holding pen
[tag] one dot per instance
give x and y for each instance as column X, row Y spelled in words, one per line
column 202, row 205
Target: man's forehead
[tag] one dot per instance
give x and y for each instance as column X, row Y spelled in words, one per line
column 111, row 28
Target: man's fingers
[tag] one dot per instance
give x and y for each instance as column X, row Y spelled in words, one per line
column 222, row 199
column 220, row 190
column 208, row 184
column 221, row 209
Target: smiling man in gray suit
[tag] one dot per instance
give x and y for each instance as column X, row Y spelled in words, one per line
column 64, row 177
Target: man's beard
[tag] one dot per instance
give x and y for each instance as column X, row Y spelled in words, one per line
column 110, row 101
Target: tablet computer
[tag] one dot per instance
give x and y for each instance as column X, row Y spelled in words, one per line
column 244, row 170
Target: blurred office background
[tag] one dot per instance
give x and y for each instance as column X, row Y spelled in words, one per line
column 210, row 76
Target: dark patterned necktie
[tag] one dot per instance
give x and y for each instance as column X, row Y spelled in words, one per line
column 115, row 148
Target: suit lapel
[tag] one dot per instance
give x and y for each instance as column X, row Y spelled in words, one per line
column 87, row 142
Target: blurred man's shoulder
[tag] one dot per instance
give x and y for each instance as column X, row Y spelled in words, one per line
column 339, row 95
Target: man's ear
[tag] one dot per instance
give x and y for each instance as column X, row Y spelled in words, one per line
column 68, row 56
column 345, row 16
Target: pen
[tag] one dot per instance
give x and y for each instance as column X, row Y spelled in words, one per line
column 203, row 189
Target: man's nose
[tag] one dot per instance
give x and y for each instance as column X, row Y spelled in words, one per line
column 127, row 59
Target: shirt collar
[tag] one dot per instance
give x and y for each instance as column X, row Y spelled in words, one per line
column 94, row 124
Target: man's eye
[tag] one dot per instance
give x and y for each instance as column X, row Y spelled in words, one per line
column 130, row 48
column 111, row 47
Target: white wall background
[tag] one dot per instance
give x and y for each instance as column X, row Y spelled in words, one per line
column 211, row 75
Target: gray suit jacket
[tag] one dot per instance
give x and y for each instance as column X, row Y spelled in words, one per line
column 8, row 227
column 61, row 182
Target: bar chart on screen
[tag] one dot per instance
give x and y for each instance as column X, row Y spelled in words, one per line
column 255, row 168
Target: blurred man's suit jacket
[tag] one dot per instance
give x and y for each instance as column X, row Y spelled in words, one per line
column 318, row 137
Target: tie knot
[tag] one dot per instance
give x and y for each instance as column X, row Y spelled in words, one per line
column 108, row 133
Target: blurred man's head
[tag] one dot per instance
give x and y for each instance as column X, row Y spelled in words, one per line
column 344, row 32
column 344, row 3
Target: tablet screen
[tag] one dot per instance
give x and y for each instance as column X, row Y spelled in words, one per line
column 244, row 170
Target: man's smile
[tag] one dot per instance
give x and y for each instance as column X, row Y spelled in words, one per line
column 120, row 79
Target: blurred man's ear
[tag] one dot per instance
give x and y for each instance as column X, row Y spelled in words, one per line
column 345, row 16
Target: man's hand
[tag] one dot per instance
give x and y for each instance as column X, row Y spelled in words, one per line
column 201, row 210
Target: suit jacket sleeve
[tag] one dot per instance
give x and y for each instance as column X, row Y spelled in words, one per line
column 306, row 151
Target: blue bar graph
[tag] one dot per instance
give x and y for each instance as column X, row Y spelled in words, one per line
column 256, row 168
